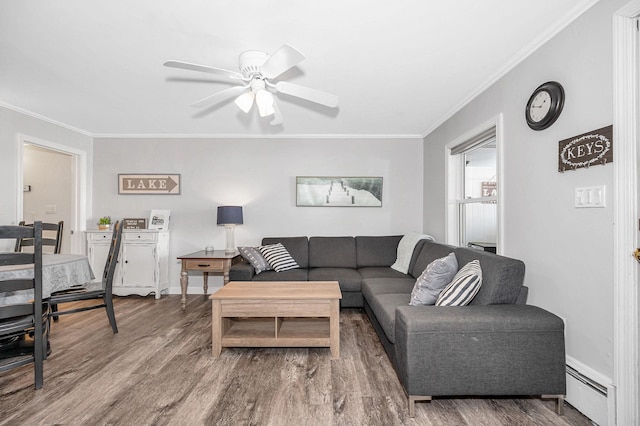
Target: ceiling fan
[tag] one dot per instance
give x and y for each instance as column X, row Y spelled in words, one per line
column 257, row 70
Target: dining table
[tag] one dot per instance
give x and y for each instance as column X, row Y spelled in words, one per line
column 59, row 272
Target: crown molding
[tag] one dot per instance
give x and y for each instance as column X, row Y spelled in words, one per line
column 45, row 119
column 252, row 136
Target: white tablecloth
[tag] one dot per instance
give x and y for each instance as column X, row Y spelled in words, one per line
column 59, row 272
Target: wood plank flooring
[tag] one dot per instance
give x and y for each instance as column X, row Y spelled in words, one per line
column 158, row 370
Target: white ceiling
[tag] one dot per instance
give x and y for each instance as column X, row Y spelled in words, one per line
column 399, row 67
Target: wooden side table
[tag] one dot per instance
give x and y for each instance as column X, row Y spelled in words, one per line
column 217, row 262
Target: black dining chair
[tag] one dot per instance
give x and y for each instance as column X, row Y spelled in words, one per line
column 51, row 237
column 93, row 291
column 22, row 323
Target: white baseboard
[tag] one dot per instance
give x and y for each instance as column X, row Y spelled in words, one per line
column 591, row 393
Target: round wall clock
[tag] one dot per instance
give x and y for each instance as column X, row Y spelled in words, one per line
column 545, row 105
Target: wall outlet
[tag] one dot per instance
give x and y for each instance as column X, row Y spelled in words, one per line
column 50, row 209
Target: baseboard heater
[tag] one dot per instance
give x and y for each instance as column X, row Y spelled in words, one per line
column 601, row 389
column 587, row 393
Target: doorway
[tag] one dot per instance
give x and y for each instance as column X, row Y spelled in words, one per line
column 51, row 187
column 47, row 188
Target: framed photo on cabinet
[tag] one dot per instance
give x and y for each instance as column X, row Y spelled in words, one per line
column 159, row 219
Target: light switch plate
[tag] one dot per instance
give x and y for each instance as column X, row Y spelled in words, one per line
column 590, row 197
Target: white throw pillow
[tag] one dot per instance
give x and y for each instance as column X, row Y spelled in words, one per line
column 436, row 276
column 464, row 286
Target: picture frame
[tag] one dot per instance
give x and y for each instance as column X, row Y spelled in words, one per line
column 149, row 184
column 338, row 191
column 134, row 223
column 159, row 219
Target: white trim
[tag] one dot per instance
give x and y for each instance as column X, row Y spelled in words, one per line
column 254, row 136
column 453, row 176
column 79, row 176
column 43, row 118
column 516, row 59
column 625, row 161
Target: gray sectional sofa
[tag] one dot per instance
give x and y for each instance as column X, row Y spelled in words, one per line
column 497, row 345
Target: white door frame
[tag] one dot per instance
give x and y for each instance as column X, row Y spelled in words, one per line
column 625, row 161
column 79, row 178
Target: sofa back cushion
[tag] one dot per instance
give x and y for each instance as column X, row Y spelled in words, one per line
column 298, row 248
column 377, row 251
column 502, row 277
column 426, row 253
column 332, row 252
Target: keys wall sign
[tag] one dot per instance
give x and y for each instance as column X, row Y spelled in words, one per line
column 159, row 184
column 587, row 149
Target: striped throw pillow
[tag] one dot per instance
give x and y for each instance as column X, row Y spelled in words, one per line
column 278, row 257
column 464, row 286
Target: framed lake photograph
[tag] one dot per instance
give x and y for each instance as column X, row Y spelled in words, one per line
column 338, row 191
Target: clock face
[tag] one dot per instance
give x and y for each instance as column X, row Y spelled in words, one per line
column 545, row 105
column 540, row 106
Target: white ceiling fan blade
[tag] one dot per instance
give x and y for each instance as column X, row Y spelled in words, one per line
column 204, row 68
column 313, row 95
column 277, row 115
column 222, row 96
column 284, row 58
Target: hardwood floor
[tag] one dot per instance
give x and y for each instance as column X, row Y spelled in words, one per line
column 159, row 370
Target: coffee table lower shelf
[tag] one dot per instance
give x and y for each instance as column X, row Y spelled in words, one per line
column 276, row 332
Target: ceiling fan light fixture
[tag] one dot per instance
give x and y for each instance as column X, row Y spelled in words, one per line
column 245, row 101
column 257, row 71
column 264, row 100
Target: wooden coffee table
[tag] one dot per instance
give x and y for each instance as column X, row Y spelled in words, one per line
column 276, row 314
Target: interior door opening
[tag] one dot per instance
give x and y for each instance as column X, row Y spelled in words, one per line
column 49, row 189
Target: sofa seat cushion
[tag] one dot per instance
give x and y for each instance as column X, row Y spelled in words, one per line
column 348, row 278
column 384, row 307
column 373, row 286
column 380, row 272
column 290, row 275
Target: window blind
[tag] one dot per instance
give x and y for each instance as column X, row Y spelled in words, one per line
column 476, row 141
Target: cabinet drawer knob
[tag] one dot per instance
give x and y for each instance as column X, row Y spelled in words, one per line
column 203, row 266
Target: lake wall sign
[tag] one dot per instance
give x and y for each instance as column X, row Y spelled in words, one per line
column 587, row 149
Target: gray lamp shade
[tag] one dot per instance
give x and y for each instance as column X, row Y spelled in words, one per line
column 228, row 215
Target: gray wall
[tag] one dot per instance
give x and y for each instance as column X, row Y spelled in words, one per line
column 259, row 174
column 567, row 251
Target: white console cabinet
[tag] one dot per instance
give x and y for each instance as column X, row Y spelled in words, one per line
column 143, row 265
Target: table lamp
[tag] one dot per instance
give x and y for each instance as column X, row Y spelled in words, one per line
column 230, row 216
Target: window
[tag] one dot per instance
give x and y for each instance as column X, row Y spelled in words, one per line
column 477, row 207
column 473, row 191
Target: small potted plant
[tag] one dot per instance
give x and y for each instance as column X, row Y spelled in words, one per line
column 104, row 223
